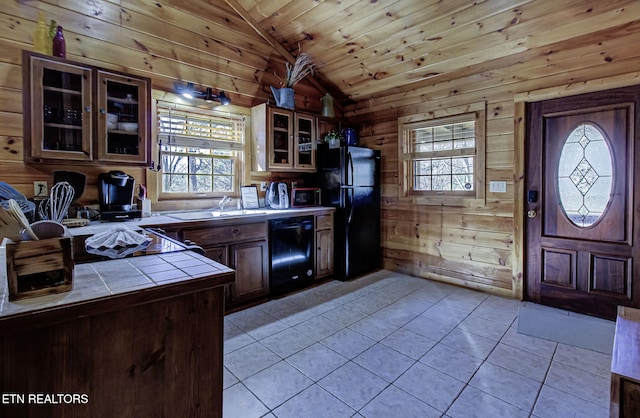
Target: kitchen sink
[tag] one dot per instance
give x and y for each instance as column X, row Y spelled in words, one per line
column 208, row 214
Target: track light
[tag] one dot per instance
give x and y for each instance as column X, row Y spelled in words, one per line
column 209, row 96
column 186, row 91
column 190, row 92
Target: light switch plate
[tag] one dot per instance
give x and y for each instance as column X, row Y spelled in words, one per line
column 498, row 186
column 263, row 186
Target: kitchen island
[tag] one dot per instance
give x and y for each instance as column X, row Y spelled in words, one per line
column 135, row 337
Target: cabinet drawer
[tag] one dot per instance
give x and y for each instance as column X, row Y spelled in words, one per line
column 226, row 234
column 324, row 221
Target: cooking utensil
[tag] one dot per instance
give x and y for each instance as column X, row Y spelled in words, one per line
column 9, row 226
column 17, row 213
column 60, row 199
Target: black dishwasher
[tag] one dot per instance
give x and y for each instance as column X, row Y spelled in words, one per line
column 292, row 261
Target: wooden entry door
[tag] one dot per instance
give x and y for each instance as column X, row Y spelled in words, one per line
column 582, row 249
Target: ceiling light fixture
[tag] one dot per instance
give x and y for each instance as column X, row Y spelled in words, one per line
column 190, row 92
column 209, row 96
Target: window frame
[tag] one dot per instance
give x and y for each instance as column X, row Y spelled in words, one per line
column 240, row 148
column 406, row 158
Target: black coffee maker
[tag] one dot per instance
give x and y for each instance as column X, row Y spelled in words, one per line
column 115, row 191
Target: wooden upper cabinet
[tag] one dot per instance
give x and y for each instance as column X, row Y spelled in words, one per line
column 57, row 117
column 123, row 125
column 283, row 140
column 67, row 107
column 304, row 142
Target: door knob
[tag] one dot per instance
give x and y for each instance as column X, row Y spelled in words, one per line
column 531, row 214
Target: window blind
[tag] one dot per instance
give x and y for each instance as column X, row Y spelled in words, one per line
column 181, row 126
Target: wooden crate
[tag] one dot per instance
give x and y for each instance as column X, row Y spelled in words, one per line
column 42, row 267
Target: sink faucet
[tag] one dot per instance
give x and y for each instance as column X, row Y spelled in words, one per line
column 223, row 201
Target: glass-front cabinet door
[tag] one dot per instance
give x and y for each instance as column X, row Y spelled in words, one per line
column 122, row 122
column 61, row 121
column 304, row 144
column 280, row 139
column 283, row 139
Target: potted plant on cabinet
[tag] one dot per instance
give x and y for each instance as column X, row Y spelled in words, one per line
column 300, row 69
column 334, row 138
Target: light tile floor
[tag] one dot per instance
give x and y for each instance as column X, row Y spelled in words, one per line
column 391, row 345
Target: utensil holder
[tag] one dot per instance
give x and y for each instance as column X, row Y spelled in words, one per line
column 37, row 268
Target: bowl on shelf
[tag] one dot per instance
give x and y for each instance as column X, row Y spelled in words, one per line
column 112, row 121
column 128, row 126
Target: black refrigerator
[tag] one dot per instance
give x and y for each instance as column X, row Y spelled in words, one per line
column 349, row 177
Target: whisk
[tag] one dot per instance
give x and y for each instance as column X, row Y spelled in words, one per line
column 59, row 201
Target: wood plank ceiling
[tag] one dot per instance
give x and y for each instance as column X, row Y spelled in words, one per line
column 369, row 49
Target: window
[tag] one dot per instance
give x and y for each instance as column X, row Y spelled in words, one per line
column 442, row 158
column 201, row 152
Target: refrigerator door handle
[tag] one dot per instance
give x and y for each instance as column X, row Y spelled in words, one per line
column 350, row 206
column 350, row 175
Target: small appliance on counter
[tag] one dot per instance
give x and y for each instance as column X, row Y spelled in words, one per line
column 277, row 196
column 305, row 196
column 115, row 191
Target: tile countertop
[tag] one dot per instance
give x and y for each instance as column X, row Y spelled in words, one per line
column 108, row 285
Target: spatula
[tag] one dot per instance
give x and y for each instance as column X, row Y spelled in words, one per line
column 17, row 213
column 9, row 227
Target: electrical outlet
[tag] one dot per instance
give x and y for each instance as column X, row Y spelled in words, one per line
column 498, row 186
column 294, row 184
column 40, row 189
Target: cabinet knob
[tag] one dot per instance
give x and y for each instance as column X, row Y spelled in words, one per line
column 87, row 108
column 103, row 111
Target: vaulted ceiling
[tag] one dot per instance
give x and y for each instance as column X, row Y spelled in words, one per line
column 371, row 48
column 368, row 50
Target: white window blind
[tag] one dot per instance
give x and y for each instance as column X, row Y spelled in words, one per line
column 187, row 128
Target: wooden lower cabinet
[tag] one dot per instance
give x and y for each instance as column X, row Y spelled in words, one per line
column 250, row 260
column 161, row 358
column 324, row 246
column 218, row 253
column 245, row 249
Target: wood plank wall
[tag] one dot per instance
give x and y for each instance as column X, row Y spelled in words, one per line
column 482, row 247
column 206, row 43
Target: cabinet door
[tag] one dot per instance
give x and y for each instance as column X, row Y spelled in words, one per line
column 123, row 118
column 304, row 142
column 219, row 254
column 324, row 253
column 280, row 139
column 60, row 111
column 250, row 261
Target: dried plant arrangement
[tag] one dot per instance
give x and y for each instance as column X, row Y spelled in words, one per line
column 299, row 70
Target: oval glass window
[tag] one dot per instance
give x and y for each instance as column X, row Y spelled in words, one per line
column 585, row 175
